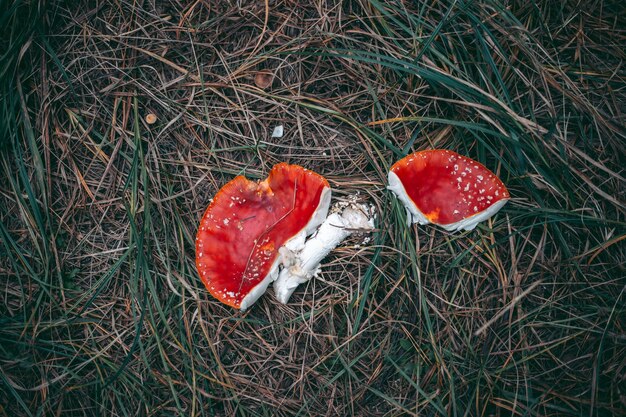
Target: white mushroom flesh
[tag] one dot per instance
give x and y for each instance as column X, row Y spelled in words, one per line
column 303, row 263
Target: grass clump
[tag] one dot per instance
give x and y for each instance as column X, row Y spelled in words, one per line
column 102, row 310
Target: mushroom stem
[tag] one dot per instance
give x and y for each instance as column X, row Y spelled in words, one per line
column 300, row 266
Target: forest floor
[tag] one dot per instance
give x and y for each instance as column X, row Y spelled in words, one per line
column 120, row 120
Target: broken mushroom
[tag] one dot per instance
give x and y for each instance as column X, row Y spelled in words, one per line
column 242, row 230
column 301, row 260
column 445, row 188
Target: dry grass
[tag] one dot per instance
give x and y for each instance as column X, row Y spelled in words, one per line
column 102, row 310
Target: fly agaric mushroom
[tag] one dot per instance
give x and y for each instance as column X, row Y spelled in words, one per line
column 442, row 187
column 248, row 222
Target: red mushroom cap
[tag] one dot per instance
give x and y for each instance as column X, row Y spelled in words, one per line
column 442, row 187
column 248, row 222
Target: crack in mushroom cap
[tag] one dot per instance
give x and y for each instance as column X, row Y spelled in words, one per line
column 248, row 222
column 442, row 187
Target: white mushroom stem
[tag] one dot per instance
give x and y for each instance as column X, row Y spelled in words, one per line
column 303, row 263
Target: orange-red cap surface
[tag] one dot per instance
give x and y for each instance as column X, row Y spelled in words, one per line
column 446, row 187
column 245, row 225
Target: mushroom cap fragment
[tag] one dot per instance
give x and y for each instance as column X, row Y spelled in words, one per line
column 248, row 222
column 445, row 188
